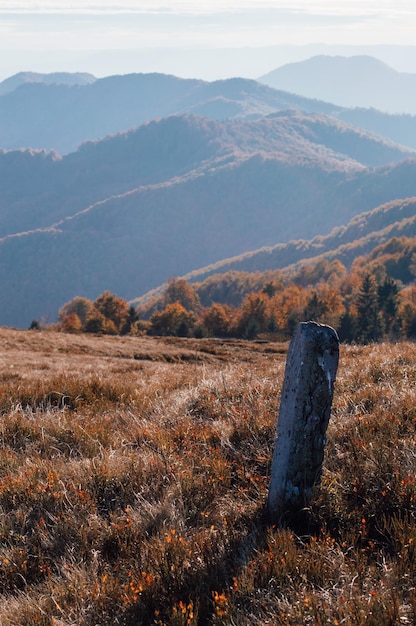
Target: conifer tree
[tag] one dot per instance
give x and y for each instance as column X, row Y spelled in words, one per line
column 388, row 296
column 369, row 321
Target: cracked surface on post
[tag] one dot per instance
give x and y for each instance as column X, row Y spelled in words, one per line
column 305, row 409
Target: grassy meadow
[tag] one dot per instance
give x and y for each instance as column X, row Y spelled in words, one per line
column 134, row 475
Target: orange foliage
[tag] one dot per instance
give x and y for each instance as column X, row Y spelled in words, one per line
column 71, row 323
column 217, row 319
column 288, row 304
column 173, row 320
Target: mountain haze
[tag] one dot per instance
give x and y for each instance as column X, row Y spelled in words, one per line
column 357, row 81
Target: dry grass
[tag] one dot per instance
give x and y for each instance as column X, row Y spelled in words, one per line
column 134, row 475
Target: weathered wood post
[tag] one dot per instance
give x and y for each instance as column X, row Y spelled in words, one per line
column 305, row 408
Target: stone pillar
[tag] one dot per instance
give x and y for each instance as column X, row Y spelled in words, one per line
column 305, row 408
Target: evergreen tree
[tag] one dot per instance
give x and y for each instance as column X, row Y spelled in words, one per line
column 346, row 327
column 315, row 308
column 132, row 319
column 388, row 296
column 369, row 321
column 95, row 322
column 408, row 320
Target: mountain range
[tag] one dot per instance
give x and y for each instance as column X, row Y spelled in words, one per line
column 182, row 192
column 126, row 212
column 61, row 111
column 61, row 116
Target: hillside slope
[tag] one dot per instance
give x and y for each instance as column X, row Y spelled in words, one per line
column 398, row 128
column 364, row 235
column 360, row 236
column 38, row 189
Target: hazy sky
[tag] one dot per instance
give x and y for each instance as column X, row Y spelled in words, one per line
column 47, row 35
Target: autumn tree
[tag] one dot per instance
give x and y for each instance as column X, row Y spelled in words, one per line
column 272, row 287
column 312, row 273
column 174, row 320
column 71, row 323
column 179, row 290
column 79, row 306
column 114, row 310
column 324, row 305
column 286, row 308
column 412, row 266
column 217, row 319
column 253, row 315
column 315, row 307
column 95, row 322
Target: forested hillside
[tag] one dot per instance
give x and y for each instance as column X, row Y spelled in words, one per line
column 373, row 300
column 131, row 243
column 360, row 236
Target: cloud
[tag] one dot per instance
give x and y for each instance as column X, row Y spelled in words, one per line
column 399, row 11
column 213, row 23
column 317, row 7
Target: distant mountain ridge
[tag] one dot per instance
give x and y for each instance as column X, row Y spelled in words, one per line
column 357, row 81
column 54, row 78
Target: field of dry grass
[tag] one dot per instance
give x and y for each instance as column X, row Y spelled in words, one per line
column 134, row 475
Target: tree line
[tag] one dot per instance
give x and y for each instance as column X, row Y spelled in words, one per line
column 364, row 305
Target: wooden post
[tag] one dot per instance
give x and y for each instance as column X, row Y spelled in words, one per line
column 304, row 413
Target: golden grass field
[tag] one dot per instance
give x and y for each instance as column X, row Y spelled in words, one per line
column 134, row 475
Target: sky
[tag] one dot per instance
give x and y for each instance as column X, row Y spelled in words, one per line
column 203, row 38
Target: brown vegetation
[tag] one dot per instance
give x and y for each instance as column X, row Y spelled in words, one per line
column 134, row 475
